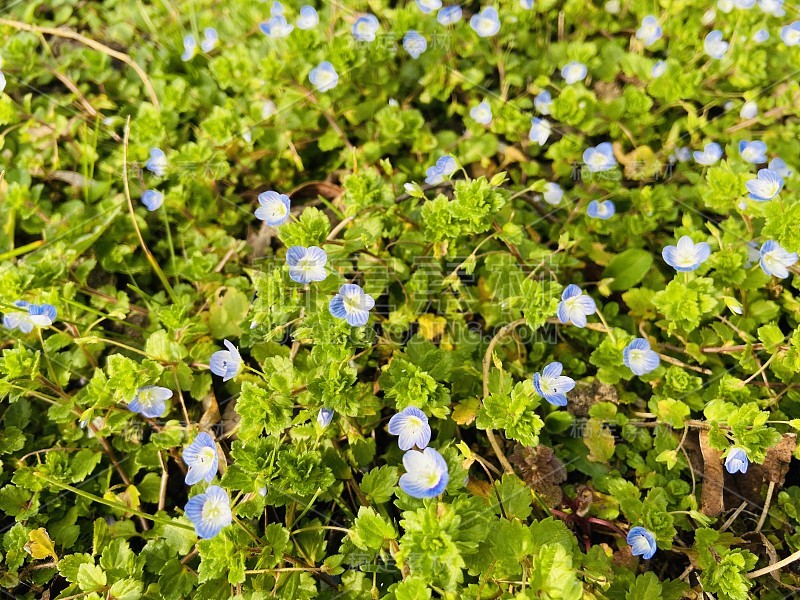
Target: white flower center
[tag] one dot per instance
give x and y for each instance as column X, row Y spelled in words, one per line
column 213, row 509
column 206, row 456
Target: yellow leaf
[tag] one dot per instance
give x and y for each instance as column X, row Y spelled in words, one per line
column 464, row 412
column 40, row 545
column 431, row 326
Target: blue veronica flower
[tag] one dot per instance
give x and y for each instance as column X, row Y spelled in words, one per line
column 150, row 401
column 601, row 210
column 767, row 185
column 749, row 110
column 274, row 209
column 210, row 39
column 308, row 18
column 791, row 34
column 575, row 306
column 306, row 264
column 642, row 542
column 540, row 131
column 639, row 358
column 761, row 36
column 772, row 7
column 19, row 319
column 485, row 23
column 552, row 193
column 189, row 48
column 352, row 304
column 445, row 166
column 414, row 44
column 324, row 77
column 277, row 27
column 725, row 6
column 449, row 15
column 226, row 363
column 600, row 158
column 201, row 458
column 552, row 385
column 42, row 315
column 482, row 113
column 2, row 82
column 543, row 101
column 744, row 4
column 526, row 4
column 736, row 461
column 711, row 153
column 683, row 153
column 365, row 28
column 775, row 260
column 658, row 69
column 157, row 163
column 753, row 152
column 152, row 199
column 714, row 45
column 686, row 256
column 209, row 512
column 428, row 6
column 411, row 427
column 573, row 72
column 426, row 474
column 649, row 31
column 268, row 109
column 324, row 417
column 780, row 167
column 276, row 9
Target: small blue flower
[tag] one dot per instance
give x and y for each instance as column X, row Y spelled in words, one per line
column 150, row 401
column 642, row 542
column 749, row 110
column 552, row 193
column 201, row 458
column 152, row 199
column 552, row 385
column 711, row 153
column 324, row 77
column 791, row 34
column 277, row 27
column 268, row 109
column 600, row 158
column 209, row 512
column 772, row 7
column 543, row 101
column 19, row 319
column 306, row 264
column 274, row 209
column 686, row 256
column 714, row 45
column 276, row 9
column 308, row 18
column 658, row 69
column 761, row 36
column 526, row 4
column 485, row 23
column 210, row 39
column 736, row 461
column 411, row 425
column 449, row 15
column 428, row 6
column 324, row 417
column 365, row 28
column 649, row 31
column 639, row 358
column 444, row 167
column 753, row 152
column 226, row 363
column 573, row 72
column 414, row 44
column 540, row 131
column 575, row 306
column 601, row 210
column 426, row 474
column 766, row 186
column 744, row 4
column 42, row 315
column 189, row 48
column 683, row 154
column 780, row 167
column 482, row 113
column 157, row 163
column 2, row 82
column 775, row 260
column 352, row 304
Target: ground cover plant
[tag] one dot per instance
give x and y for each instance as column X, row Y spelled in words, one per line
column 399, row 300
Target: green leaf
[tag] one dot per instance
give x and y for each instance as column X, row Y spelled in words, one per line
column 379, row 483
column 628, row 268
column 91, row 578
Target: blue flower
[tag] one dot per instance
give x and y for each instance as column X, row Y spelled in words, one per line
column 2, row 82
column 745, row 4
column 658, row 69
column 324, row 77
column 150, row 401
column 308, row 18
column 649, row 31
column 780, row 167
column 189, row 48
column 42, row 315
column 540, row 131
column 209, row 512
column 324, row 417
column 772, row 7
column 686, row 256
column 157, row 163
column 226, row 363
column 639, row 358
column 552, row 193
column 573, row 72
column 411, row 425
column 274, row 209
column 485, row 23
column 276, row 8
column 543, row 101
column 449, row 15
column 749, row 110
column 152, row 199
column 753, row 152
column 736, row 461
column 526, row 4
column 201, row 458
column 210, row 39
column 277, row 27
column 600, row 158
column 711, row 153
column 601, row 210
column 428, row 6
column 714, row 46
column 426, row 474
column 306, row 264
column 268, row 109
column 791, row 34
column 19, row 319
column 642, row 542
column 552, row 385
column 414, row 44
column 365, row 28
column 682, row 154
column 444, row 167
column 575, row 306
column 767, row 185
column 761, row 36
column 352, row 304
column 482, row 113
column 775, row 260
